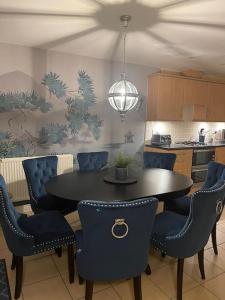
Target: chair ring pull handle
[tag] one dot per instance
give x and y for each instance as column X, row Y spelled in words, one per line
column 219, row 207
column 120, row 222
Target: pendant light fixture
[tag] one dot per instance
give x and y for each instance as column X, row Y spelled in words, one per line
column 123, row 95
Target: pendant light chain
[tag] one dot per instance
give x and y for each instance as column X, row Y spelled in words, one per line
column 123, row 95
column 125, row 25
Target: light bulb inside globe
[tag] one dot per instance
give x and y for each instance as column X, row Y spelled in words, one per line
column 123, row 96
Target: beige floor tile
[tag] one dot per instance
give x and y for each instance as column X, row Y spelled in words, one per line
column 221, row 226
column 77, row 290
column 3, row 244
column 72, row 217
column 38, row 256
column 39, row 269
column 107, row 294
column 6, row 254
column 220, row 239
column 165, row 278
column 219, row 260
column 222, row 218
column 156, row 261
column 51, row 289
column 149, row 290
column 222, row 245
column 199, row 293
column 61, row 262
column 192, row 269
column 217, row 286
column 12, row 278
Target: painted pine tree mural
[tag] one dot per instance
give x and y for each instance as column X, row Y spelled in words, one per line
column 79, row 105
column 54, row 84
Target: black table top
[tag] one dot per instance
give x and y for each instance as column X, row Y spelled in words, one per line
column 78, row 186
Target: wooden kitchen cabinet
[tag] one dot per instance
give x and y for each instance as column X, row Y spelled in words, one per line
column 220, row 155
column 165, row 98
column 178, row 98
column 183, row 162
column 196, row 99
column 196, row 92
column 216, row 102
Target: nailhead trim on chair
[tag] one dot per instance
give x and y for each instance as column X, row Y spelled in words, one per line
column 186, row 226
column 37, row 248
column 99, row 203
column 9, row 223
column 182, row 232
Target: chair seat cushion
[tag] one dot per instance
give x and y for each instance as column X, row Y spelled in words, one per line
column 166, row 224
column 179, row 205
column 46, row 226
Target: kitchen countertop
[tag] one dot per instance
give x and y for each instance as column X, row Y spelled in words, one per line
column 185, row 147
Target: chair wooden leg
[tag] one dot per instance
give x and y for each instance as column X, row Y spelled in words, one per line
column 70, row 252
column 163, row 254
column 89, row 290
column 201, row 263
column 13, row 264
column 180, row 269
column 214, row 242
column 148, row 270
column 81, row 280
column 137, row 288
column 58, row 251
column 19, row 276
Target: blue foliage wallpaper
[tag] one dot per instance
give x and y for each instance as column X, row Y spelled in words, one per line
column 77, row 114
column 56, row 103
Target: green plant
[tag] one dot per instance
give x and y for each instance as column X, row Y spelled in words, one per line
column 122, row 160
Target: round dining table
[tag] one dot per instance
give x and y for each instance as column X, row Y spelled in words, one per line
column 159, row 183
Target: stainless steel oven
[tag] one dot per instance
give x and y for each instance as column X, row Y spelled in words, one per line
column 200, row 160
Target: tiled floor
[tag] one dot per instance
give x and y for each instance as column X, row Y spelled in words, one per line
column 46, row 277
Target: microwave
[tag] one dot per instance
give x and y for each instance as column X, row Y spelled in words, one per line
column 161, row 139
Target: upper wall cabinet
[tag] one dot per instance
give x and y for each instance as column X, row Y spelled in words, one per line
column 174, row 98
column 216, row 105
column 165, row 98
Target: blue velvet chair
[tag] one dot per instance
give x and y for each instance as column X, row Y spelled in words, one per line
column 159, row 160
column 183, row 236
column 92, row 161
column 38, row 172
column 113, row 243
column 182, row 205
column 27, row 236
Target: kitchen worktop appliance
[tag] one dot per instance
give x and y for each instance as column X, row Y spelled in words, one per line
column 200, row 159
column 161, row 139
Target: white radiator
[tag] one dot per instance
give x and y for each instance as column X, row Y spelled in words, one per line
column 12, row 171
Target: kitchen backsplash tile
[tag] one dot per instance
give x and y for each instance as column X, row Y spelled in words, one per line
column 183, row 130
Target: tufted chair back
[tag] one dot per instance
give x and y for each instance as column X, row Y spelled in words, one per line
column 92, row 161
column 206, row 205
column 215, row 173
column 159, row 160
column 103, row 256
column 38, row 171
column 17, row 241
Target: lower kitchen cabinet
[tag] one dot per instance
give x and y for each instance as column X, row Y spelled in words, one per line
column 183, row 162
column 220, row 155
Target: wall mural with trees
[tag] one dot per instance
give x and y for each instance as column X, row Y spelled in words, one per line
column 20, row 137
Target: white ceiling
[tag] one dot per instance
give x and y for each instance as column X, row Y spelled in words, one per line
column 175, row 34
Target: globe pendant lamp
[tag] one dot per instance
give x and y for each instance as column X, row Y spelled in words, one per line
column 123, row 95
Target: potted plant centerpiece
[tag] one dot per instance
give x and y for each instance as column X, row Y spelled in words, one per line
column 121, row 162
